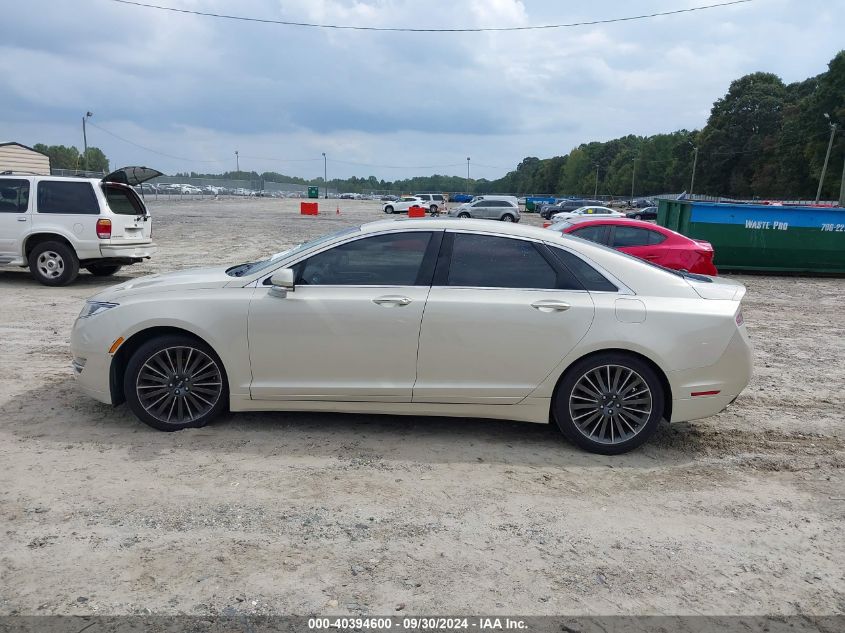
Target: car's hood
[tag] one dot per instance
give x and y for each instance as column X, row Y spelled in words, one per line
column 190, row 279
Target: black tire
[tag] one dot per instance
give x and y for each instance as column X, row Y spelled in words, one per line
column 638, row 217
column 508, row 218
column 571, row 396
column 176, row 375
column 433, row 209
column 463, row 215
column 388, row 209
column 53, row 263
column 103, row 270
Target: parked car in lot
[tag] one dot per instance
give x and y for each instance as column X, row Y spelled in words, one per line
column 434, row 202
column 606, row 212
column 546, row 211
column 57, row 225
column 403, row 204
column 471, row 318
column 461, row 197
column 647, row 241
column 647, row 213
column 489, row 208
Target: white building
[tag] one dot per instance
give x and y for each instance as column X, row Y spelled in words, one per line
column 17, row 157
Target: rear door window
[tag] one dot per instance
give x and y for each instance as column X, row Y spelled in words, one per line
column 655, row 237
column 14, row 195
column 627, row 236
column 488, row 261
column 59, row 196
column 123, row 201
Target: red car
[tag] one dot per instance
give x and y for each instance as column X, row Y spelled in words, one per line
column 644, row 240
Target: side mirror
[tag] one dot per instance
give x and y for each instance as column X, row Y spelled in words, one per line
column 282, row 281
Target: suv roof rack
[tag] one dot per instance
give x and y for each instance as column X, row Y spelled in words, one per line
column 12, row 172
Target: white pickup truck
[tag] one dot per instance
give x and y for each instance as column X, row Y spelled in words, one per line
column 55, row 225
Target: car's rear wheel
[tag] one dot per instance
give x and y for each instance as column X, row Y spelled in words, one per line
column 463, row 215
column 609, row 403
column 53, row 264
column 433, row 209
column 103, row 270
column 388, row 209
column 175, row 382
column 507, row 218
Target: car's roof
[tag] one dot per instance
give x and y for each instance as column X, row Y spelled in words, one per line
column 435, row 223
column 619, row 221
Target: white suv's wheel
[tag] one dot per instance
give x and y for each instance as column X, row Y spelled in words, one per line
column 53, row 264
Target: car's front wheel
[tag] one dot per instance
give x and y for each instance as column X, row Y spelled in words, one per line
column 388, row 209
column 103, row 270
column 638, row 217
column 175, row 382
column 609, row 403
column 463, row 215
column 53, row 263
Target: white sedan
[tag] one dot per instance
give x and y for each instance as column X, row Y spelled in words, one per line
column 424, row 317
column 605, row 212
column 403, row 204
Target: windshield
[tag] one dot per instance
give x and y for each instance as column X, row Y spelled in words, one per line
column 249, row 268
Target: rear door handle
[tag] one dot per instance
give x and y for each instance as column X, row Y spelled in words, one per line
column 392, row 300
column 550, row 305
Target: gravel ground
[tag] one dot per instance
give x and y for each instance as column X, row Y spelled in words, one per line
column 316, row 513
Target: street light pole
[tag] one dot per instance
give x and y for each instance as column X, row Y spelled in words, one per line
column 85, row 140
column 694, row 165
column 237, row 162
column 325, row 175
column 467, row 174
column 633, row 177
column 826, row 158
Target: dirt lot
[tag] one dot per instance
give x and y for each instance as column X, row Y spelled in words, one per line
column 743, row 513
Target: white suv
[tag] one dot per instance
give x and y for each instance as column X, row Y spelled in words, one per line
column 433, row 201
column 57, row 225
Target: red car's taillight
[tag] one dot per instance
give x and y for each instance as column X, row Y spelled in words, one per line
column 104, row 229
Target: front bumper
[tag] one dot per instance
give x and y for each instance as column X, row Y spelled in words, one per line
column 128, row 251
column 91, row 364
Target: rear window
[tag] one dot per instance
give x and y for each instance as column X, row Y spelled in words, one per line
column 76, row 198
column 123, row 201
column 14, row 195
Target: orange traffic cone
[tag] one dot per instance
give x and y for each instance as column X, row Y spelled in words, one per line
column 338, row 210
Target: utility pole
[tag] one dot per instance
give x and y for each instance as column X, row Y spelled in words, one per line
column 826, row 157
column 842, row 185
column 237, row 162
column 85, row 140
column 467, row 174
column 596, row 193
column 694, row 165
column 325, row 175
column 633, row 177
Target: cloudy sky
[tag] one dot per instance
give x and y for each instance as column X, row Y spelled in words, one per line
column 191, row 90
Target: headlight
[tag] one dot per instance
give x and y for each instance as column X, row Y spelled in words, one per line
column 93, row 308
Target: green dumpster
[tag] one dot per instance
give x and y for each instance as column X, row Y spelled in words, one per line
column 530, row 206
column 762, row 237
column 313, row 192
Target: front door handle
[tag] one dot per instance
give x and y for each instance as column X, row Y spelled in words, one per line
column 21, row 219
column 550, row 305
column 392, row 300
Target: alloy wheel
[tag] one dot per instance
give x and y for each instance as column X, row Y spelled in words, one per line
column 179, row 384
column 51, row 264
column 610, row 404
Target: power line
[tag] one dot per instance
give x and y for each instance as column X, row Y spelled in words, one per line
column 148, row 149
column 430, row 30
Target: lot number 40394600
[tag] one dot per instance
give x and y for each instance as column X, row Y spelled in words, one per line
column 835, row 228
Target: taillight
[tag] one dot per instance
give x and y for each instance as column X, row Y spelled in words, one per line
column 104, row 229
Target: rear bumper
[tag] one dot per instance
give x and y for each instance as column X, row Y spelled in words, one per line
column 728, row 376
column 128, row 251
